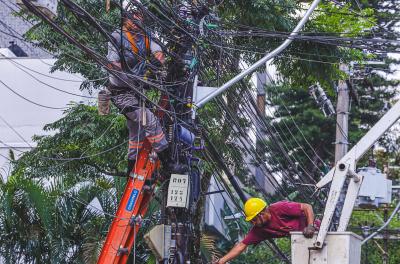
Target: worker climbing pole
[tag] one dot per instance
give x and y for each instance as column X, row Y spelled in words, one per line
column 176, row 157
column 127, row 91
column 184, row 138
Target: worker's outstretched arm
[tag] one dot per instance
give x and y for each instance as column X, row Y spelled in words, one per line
column 233, row 253
column 309, row 230
column 308, row 212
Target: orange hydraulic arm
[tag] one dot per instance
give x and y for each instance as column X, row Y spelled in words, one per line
column 132, row 208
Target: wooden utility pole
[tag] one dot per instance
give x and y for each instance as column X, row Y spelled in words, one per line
column 342, row 118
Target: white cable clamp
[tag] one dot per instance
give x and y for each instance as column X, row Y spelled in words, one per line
column 136, row 176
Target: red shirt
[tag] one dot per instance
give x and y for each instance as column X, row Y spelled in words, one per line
column 285, row 217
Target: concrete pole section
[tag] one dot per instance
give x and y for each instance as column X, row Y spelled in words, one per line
column 342, row 118
column 261, row 82
column 263, row 178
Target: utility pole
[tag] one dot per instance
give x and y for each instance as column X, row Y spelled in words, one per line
column 265, row 181
column 342, row 142
column 261, row 82
column 342, row 117
column 385, row 259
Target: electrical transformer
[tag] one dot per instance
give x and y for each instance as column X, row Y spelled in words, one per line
column 375, row 189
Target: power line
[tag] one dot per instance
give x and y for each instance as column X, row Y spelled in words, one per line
column 30, row 101
column 49, row 85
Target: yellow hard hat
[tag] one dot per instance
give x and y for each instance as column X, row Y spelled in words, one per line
column 253, row 207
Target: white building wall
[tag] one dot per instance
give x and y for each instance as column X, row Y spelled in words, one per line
column 24, row 101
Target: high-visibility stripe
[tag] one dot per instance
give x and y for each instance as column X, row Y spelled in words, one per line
column 147, row 44
column 134, row 144
column 135, row 147
column 131, row 41
column 156, row 138
column 153, row 139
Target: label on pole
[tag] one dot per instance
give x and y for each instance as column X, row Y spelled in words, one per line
column 178, row 191
column 132, row 200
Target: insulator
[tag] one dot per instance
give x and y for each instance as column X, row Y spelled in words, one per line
column 185, row 12
column 170, row 133
column 189, row 102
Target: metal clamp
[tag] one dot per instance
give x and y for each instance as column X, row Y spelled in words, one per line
column 354, row 176
column 122, row 251
column 136, row 220
column 136, row 176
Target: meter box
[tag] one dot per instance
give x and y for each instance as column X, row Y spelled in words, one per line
column 178, row 191
column 159, row 241
column 339, row 248
column 375, row 188
column 49, row 7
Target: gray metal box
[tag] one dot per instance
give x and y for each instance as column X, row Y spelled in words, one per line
column 375, row 188
column 159, row 241
column 339, row 248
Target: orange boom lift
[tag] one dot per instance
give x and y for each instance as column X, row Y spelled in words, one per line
column 133, row 206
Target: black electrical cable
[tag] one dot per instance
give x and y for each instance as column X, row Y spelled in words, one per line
column 30, row 101
column 238, row 97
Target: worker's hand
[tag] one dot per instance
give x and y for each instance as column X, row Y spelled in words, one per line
column 155, row 62
column 217, row 261
column 309, row 231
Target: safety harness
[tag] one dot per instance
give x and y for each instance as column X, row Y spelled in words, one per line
column 132, row 41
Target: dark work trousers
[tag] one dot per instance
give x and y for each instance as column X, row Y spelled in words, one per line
column 141, row 122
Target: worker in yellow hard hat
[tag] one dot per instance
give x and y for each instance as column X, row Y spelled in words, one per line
column 274, row 221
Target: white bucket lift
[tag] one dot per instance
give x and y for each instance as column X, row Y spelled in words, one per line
column 339, row 248
column 345, row 169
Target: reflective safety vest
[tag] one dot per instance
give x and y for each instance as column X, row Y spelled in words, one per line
column 136, row 49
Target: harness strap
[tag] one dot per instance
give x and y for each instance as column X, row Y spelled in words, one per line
column 147, row 44
column 132, row 41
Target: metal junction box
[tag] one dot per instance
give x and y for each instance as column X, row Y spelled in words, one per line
column 339, row 248
column 159, row 241
column 375, row 188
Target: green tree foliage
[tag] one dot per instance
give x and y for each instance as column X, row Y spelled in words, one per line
column 373, row 219
column 297, row 117
column 69, row 57
column 58, row 204
column 44, row 212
